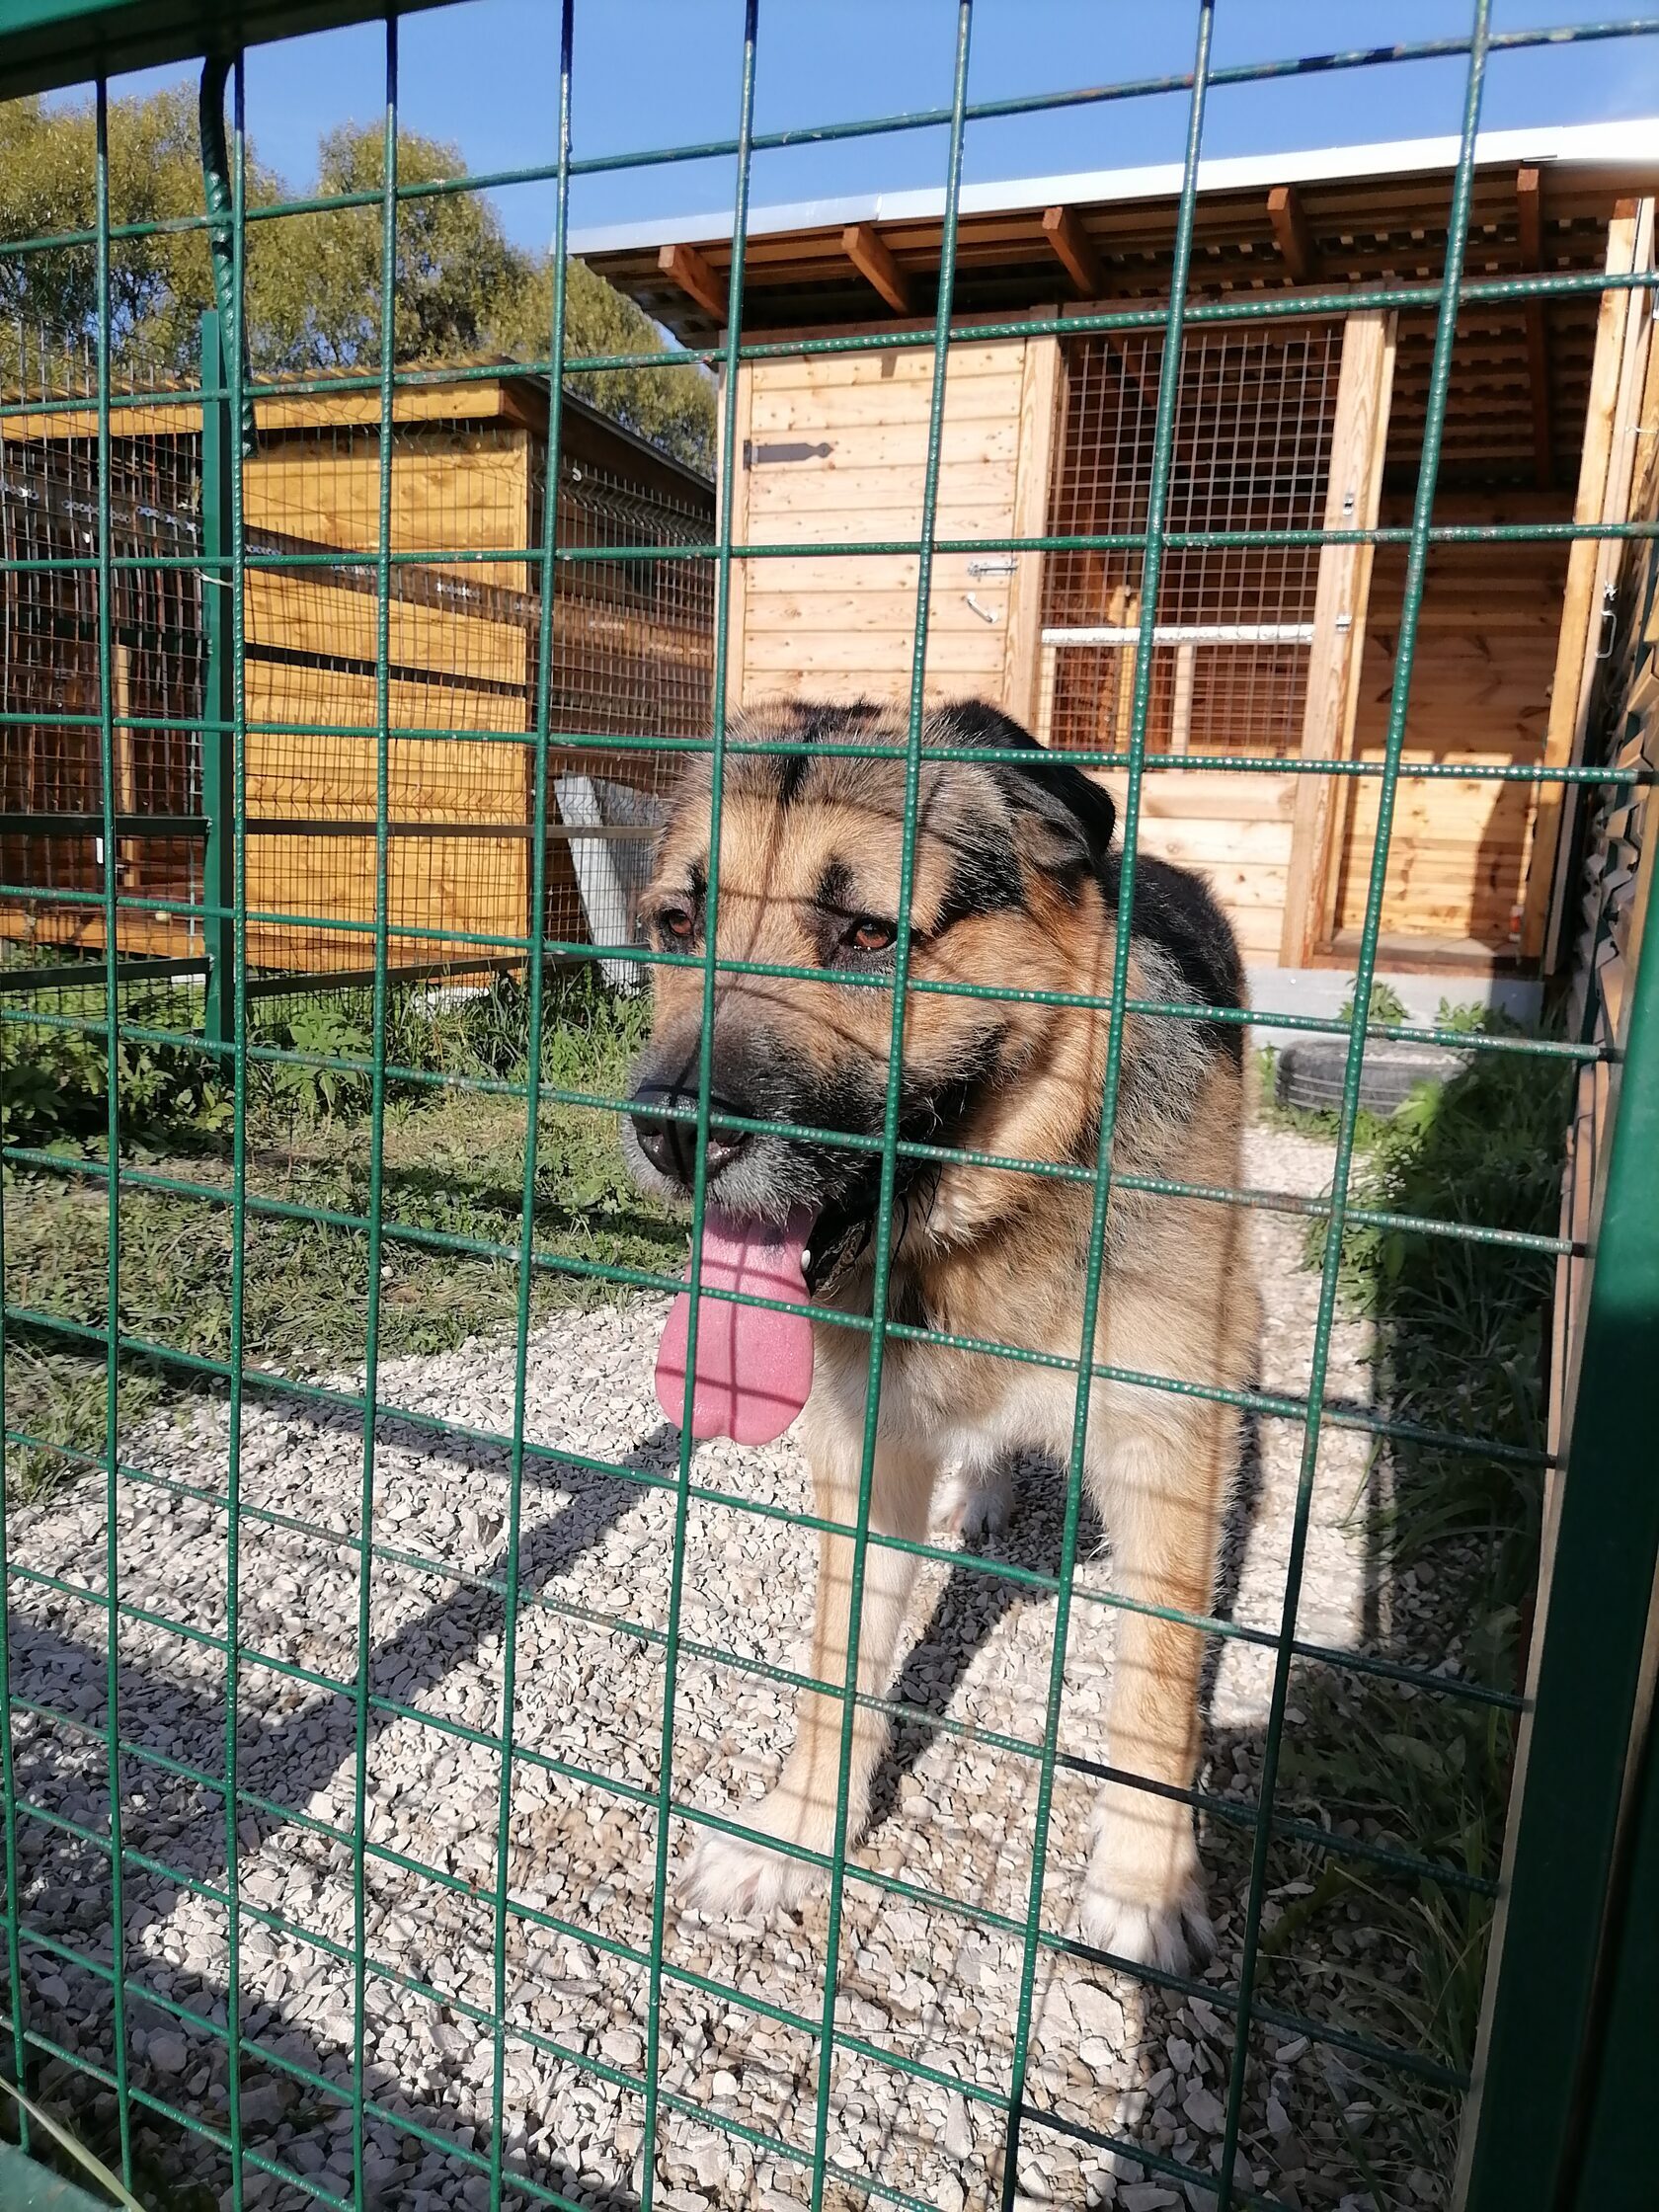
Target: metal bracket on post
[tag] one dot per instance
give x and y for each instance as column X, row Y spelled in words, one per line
column 218, row 690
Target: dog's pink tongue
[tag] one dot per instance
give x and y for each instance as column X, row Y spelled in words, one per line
column 754, row 1366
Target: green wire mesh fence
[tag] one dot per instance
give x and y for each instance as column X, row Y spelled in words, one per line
column 426, row 1678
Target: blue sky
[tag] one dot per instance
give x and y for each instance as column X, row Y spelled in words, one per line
column 483, row 75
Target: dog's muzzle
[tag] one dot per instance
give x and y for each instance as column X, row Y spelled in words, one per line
column 669, row 1142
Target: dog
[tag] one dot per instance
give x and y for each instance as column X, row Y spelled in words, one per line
column 1014, row 882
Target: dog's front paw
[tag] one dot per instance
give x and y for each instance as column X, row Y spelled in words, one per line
column 1171, row 1937
column 974, row 1502
column 731, row 1877
column 1144, row 1903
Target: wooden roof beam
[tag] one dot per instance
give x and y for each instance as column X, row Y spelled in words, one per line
column 1529, row 203
column 871, row 257
column 1073, row 249
column 1291, row 235
column 686, row 267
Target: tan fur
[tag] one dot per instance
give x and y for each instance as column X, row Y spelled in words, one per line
column 1001, row 1257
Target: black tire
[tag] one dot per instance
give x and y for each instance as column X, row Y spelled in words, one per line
column 1310, row 1077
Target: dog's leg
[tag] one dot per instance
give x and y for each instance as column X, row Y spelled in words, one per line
column 1159, row 1473
column 728, row 1875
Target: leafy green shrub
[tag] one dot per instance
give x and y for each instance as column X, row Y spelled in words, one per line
column 1385, row 1004
column 54, row 1082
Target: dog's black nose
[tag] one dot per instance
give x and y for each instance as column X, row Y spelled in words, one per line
column 671, row 1145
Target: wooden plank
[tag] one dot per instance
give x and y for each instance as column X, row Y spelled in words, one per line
column 1180, row 711
column 305, row 611
column 1609, row 553
column 739, row 579
column 893, row 446
column 815, row 411
column 1578, row 614
column 1291, row 235
column 1353, row 496
column 1040, row 415
column 1073, row 249
column 908, row 365
column 957, row 652
column 862, row 244
column 1214, row 794
column 1530, row 214
column 130, row 850
column 479, row 399
column 686, row 267
column 858, row 505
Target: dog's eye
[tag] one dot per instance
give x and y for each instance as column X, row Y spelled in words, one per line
column 870, row 934
column 676, row 923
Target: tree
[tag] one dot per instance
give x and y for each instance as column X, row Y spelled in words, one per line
column 313, row 282
column 158, row 284
column 672, row 406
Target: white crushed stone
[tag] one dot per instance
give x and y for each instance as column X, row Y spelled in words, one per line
column 916, row 1980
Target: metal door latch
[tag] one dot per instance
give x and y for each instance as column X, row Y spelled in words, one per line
column 1610, row 611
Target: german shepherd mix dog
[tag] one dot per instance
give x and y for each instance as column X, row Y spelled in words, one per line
column 1014, row 882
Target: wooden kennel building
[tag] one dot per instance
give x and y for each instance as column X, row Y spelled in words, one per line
column 632, row 655
column 1290, row 422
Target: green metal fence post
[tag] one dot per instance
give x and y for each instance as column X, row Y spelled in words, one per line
column 1586, row 1681
column 218, row 681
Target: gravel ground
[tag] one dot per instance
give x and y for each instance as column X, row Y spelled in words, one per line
column 918, row 1981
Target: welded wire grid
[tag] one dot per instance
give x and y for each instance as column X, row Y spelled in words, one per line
column 120, row 2044
column 1253, row 419
column 51, row 792
column 633, row 644
column 632, row 656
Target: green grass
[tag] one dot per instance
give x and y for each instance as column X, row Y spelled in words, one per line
column 454, row 1164
column 1460, row 1346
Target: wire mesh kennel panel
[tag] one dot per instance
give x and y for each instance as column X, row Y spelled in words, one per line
column 49, row 688
column 348, row 1949
column 1255, row 417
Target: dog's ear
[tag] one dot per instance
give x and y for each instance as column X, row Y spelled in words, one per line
column 1070, row 815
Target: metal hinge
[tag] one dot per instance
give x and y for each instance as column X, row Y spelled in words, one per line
column 757, row 455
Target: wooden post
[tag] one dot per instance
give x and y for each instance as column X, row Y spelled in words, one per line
column 1048, row 676
column 1353, row 496
column 1042, row 382
column 738, row 598
column 129, row 850
column 1124, row 612
column 1529, row 228
column 1180, row 713
column 1580, row 613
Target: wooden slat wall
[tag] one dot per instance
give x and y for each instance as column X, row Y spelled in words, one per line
column 1479, row 692
column 844, row 628
column 311, row 655
column 1611, row 889
column 1234, row 831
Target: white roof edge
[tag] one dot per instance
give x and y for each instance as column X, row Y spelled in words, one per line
column 1632, row 139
